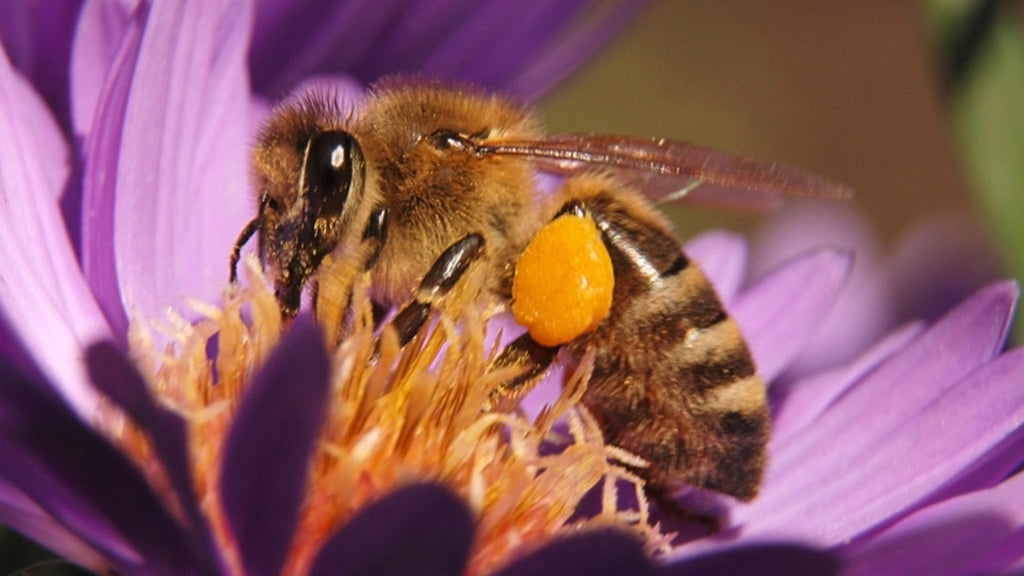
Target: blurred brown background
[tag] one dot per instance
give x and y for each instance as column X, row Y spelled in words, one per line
column 845, row 89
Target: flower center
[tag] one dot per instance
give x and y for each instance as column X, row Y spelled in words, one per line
column 398, row 415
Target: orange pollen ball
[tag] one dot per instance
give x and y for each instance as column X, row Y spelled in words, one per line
column 563, row 282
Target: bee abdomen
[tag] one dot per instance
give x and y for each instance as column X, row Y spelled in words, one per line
column 686, row 399
column 673, row 379
column 709, row 359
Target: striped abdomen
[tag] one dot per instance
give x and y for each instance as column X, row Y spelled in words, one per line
column 673, row 380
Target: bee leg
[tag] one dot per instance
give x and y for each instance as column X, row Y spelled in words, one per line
column 376, row 233
column 331, row 288
column 531, row 358
column 442, row 276
column 236, row 251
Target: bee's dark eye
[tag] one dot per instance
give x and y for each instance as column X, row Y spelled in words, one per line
column 328, row 169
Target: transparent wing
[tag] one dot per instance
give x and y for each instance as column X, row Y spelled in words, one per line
column 667, row 170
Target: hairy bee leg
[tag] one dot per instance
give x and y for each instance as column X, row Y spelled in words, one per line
column 442, row 276
column 366, row 256
column 240, row 242
column 376, row 232
column 531, row 358
column 332, row 287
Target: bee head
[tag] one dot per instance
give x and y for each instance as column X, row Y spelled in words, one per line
column 304, row 185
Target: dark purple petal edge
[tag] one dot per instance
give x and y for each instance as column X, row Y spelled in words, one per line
column 788, row 559
column 586, row 554
column 977, row 533
column 270, row 444
column 22, row 515
column 422, row 529
column 522, row 50
column 82, row 481
column 114, row 375
column 37, row 36
column 572, row 50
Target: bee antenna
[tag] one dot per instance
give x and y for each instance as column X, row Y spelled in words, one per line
column 236, row 251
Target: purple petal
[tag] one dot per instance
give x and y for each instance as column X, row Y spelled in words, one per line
column 872, row 457
column 978, row 533
column 494, row 43
column 116, row 377
column 987, row 470
column 37, row 36
column 270, row 444
column 723, row 258
column 586, row 554
column 333, row 37
column 573, row 49
column 19, row 513
column 964, row 340
column 102, row 149
column 166, row 190
column 43, row 296
column 948, row 436
column 788, row 559
column 83, row 482
column 800, row 404
column 101, row 30
column 13, row 352
column 782, row 312
column 423, row 529
column 522, row 49
column 863, row 312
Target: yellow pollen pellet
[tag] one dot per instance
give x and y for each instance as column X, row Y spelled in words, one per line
column 563, row 281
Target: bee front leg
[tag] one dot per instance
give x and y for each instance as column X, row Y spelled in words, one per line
column 442, row 276
column 236, row 251
column 332, row 286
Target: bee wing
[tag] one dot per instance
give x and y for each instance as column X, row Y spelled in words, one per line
column 668, row 170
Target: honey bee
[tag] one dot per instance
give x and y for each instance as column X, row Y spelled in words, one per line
column 435, row 179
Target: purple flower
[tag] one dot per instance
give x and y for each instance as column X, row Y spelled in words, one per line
column 222, row 448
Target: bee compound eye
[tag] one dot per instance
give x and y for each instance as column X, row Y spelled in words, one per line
column 328, row 167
